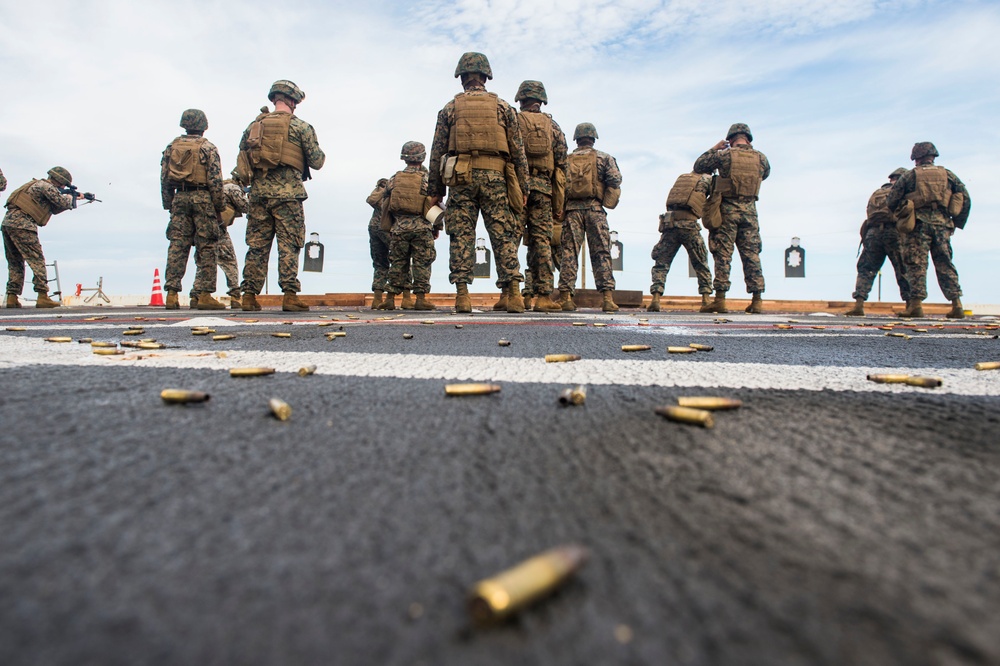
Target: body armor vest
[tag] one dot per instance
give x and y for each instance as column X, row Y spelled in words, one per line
column 23, row 201
column 684, row 198
column 536, row 130
column 269, row 146
column 931, row 187
column 744, row 175
column 582, row 181
column 477, row 129
column 405, row 197
column 878, row 209
column 184, row 162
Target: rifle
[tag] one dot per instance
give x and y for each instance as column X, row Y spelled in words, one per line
column 73, row 191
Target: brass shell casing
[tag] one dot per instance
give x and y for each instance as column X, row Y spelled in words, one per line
column 681, row 350
column 104, row 351
column 924, row 382
column 250, row 372
column 573, row 396
column 281, row 409
column 888, row 379
column 687, row 415
column 709, row 402
column 281, row 335
column 181, row 396
column 635, row 348
column 471, row 389
column 697, row 347
column 561, row 358
column 307, row 370
column 59, row 339
column 219, row 338
column 988, row 365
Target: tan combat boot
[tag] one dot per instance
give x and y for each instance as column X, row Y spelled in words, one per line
column 957, row 311
column 376, row 299
column 501, row 305
column 207, row 302
column 528, row 298
column 705, row 302
column 234, row 301
column 756, row 304
column 515, row 301
column 422, row 303
column 407, row 302
column 292, row 303
column 249, row 303
column 608, row 305
column 858, row 310
column 389, row 302
column 193, row 301
column 45, row 302
column 172, row 302
column 914, row 308
column 462, row 301
column 718, row 305
column 12, row 301
column 566, row 302
column 654, row 304
column 544, row 303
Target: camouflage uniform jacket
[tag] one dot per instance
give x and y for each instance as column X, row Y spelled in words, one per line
column 236, row 198
column 3, row 182
column 907, row 183
column 704, row 186
column 711, row 160
column 375, row 201
column 442, row 132
column 285, row 182
column 607, row 173
column 538, row 183
column 213, row 165
column 408, row 222
column 45, row 194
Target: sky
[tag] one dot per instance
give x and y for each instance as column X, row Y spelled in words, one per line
column 835, row 94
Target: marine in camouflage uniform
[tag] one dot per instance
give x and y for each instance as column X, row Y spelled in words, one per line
column 193, row 195
column 881, row 240
column 411, row 247
column 487, row 187
column 586, row 215
column 378, row 243
column 29, row 207
column 739, row 220
column 225, row 253
column 276, row 197
column 935, row 221
column 546, row 192
column 679, row 228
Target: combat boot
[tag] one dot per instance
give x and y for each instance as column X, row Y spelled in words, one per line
column 544, row 303
column 376, row 299
column 528, row 298
column 422, row 303
column 609, row 303
column 501, row 305
column 756, row 304
column 12, row 301
column 705, row 302
column 389, row 302
column 172, row 302
column 858, row 310
column 566, row 302
column 718, row 305
column 249, row 303
column 234, row 301
column 515, row 302
column 956, row 312
column 292, row 303
column 654, row 304
column 407, row 302
column 914, row 308
column 193, row 301
column 45, row 302
column 462, row 301
column 207, row 302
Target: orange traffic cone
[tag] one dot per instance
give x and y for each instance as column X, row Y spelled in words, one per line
column 157, row 296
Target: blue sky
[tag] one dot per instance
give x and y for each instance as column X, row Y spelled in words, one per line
column 836, row 94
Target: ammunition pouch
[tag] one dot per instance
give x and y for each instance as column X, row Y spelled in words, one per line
column 711, row 217
column 515, row 196
column 905, row 217
column 456, row 170
column 956, row 204
column 557, row 230
column 558, row 192
column 611, row 197
column 665, row 222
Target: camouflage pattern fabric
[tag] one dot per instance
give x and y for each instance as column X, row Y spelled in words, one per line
column 880, row 241
column 416, row 246
column 3, row 181
column 907, row 183
column 194, row 222
column 225, row 257
column 533, row 286
column 213, row 165
column 538, row 234
column 595, row 223
column 45, row 194
column 378, row 242
column 285, row 182
column 22, row 246
column 671, row 240
column 285, row 220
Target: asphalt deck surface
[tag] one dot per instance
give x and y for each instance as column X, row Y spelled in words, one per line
column 830, row 520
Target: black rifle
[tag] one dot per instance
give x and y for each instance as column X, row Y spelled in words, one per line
column 73, row 191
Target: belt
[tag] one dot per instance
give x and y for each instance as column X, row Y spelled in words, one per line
column 184, row 187
column 541, row 173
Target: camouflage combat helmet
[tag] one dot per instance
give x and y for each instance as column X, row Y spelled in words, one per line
column 585, row 130
column 413, row 151
column 923, row 149
column 531, row 90
column 739, row 128
column 898, row 172
column 194, row 120
column 288, row 89
column 473, row 63
column 60, row 175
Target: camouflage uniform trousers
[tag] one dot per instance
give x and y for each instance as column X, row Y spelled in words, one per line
column 595, row 223
column 666, row 249
column 538, row 233
column 739, row 227
column 411, row 251
column 486, row 193
column 22, row 246
column 225, row 256
column 378, row 243
column 881, row 241
column 193, row 222
column 267, row 219
column 935, row 239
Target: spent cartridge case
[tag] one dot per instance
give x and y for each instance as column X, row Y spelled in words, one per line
column 135, row 328
column 924, row 382
column 700, row 417
column 988, row 365
column 783, row 327
column 337, row 334
column 250, row 372
column 898, row 335
column 133, row 331
column 458, row 326
column 202, row 331
column 16, row 328
column 288, row 323
column 59, row 339
column 428, row 322
column 635, row 348
column 130, row 345
column 86, row 341
column 888, row 378
column 407, row 336
column 103, row 344
column 281, row 410
column 181, row 396
column 681, row 350
column 561, row 358
column 509, row 591
column 709, row 402
column 326, row 323
column 818, row 328
column 223, row 337
column 281, row 335
column 104, row 351
column 504, row 343
column 307, row 370
column 697, row 347
column 600, row 325
column 579, row 323
column 471, row 389
column 152, row 345
column 573, row 396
